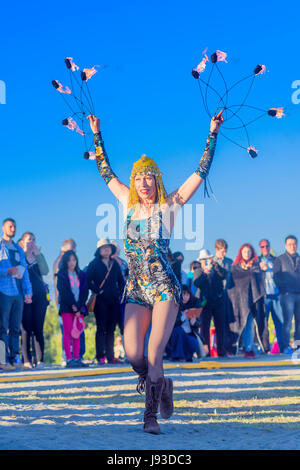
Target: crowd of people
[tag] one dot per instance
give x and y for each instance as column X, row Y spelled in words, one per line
column 237, row 296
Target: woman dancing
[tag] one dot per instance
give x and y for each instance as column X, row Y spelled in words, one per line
column 152, row 292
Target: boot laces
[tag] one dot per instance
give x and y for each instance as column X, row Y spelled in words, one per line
column 140, row 388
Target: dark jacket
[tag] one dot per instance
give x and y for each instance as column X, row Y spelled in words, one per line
column 287, row 273
column 225, row 263
column 246, row 291
column 66, row 296
column 210, row 286
column 114, row 284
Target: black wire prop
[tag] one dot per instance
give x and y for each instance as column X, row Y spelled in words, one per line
column 231, row 110
column 79, row 100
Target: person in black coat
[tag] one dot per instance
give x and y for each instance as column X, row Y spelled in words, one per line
column 34, row 314
column 72, row 293
column 209, row 280
column 107, row 308
column 183, row 342
column 247, row 296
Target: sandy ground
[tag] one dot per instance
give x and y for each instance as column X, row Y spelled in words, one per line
column 236, row 408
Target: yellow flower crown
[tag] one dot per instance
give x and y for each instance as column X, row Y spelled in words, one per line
column 143, row 166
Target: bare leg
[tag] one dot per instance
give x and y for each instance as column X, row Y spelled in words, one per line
column 137, row 321
column 163, row 319
column 38, row 351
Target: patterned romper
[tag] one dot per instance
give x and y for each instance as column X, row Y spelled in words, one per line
column 151, row 278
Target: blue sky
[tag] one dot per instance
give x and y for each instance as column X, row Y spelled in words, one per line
column 149, row 103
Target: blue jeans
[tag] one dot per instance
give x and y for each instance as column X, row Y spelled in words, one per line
column 290, row 304
column 272, row 304
column 181, row 344
column 247, row 333
column 11, row 310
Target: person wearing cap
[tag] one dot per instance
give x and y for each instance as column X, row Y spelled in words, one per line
column 152, row 291
column 103, row 269
column 209, row 280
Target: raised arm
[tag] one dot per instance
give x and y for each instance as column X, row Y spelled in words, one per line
column 190, row 186
column 120, row 190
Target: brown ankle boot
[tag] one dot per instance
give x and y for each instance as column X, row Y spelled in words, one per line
column 166, row 402
column 153, row 397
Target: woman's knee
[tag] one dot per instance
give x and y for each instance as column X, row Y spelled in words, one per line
column 136, row 362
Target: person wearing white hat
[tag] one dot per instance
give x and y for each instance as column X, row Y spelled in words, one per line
column 205, row 255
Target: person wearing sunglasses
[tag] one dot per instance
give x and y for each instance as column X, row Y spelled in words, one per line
column 287, row 279
column 272, row 302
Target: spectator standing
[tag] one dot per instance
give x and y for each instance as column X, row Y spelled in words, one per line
column 209, row 280
column 220, row 257
column 35, row 312
column 272, row 302
column 104, row 271
column 73, row 292
column 287, row 278
column 247, row 296
column 15, row 288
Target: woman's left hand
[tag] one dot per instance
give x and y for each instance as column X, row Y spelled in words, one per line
column 216, row 122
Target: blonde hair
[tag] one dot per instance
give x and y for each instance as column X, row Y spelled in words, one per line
column 146, row 165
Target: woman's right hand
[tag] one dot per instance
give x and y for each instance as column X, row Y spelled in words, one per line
column 94, row 123
column 216, row 122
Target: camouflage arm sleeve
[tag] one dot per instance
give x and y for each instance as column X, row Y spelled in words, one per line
column 208, row 155
column 102, row 159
